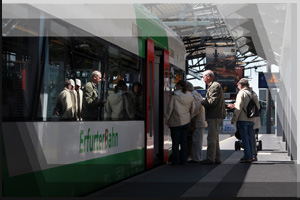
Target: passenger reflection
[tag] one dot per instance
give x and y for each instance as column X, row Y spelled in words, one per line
column 74, row 99
column 79, row 99
column 118, row 106
column 63, row 108
column 137, row 100
column 91, row 101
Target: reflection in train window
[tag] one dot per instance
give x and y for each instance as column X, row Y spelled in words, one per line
column 123, row 68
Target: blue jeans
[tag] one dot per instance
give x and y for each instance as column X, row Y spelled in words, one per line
column 179, row 137
column 246, row 132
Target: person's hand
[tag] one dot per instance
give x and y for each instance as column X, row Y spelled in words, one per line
column 202, row 101
column 231, row 106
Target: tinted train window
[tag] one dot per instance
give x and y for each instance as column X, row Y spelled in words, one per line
column 19, row 77
column 70, row 60
column 57, row 68
column 88, row 46
column 176, row 75
column 34, row 71
column 125, row 94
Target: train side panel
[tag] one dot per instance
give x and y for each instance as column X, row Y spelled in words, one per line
column 70, row 155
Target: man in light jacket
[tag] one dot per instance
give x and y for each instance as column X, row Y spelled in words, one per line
column 215, row 113
column 244, row 124
column 66, row 100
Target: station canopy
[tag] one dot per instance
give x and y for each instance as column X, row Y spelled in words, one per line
column 255, row 30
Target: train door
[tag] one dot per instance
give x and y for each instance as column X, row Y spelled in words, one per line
column 156, row 132
column 149, row 113
column 161, row 100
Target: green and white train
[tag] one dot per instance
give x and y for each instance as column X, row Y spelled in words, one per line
column 44, row 44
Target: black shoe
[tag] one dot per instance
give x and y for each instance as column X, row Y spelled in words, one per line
column 246, row 161
column 207, row 162
column 193, row 161
column 218, row 162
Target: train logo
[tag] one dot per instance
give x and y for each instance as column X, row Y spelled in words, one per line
column 96, row 142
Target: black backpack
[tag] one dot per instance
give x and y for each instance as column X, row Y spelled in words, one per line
column 252, row 110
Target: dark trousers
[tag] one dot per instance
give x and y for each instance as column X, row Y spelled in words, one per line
column 179, row 137
column 246, row 132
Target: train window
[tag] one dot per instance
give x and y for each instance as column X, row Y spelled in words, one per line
column 19, row 77
column 88, row 46
column 84, row 66
column 20, row 27
column 125, row 99
column 58, row 30
column 129, row 62
column 176, row 75
column 57, row 68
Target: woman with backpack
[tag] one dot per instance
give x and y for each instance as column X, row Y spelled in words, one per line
column 241, row 118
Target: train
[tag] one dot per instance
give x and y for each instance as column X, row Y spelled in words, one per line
column 45, row 44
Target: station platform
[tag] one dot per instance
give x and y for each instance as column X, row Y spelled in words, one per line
column 273, row 175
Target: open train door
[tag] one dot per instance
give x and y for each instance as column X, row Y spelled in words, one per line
column 157, row 98
column 150, row 105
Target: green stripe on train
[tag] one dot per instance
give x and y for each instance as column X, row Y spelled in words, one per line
column 150, row 27
column 76, row 179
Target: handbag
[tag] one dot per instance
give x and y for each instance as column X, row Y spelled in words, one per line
column 237, row 134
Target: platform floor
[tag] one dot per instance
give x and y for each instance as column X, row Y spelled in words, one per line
column 273, row 175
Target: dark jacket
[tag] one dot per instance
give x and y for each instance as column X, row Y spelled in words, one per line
column 214, row 102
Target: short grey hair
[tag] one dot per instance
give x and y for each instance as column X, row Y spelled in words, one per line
column 95, row 73
column 189, row 86
column 209, row 73
column 243, row 82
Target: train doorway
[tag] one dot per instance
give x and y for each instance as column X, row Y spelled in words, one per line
column 156, row 132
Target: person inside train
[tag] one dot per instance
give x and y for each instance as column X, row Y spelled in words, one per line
column 244, row 124
column 200, row 125
column 118, row 105
column 180, row 110
column 137, row 100
column 91, row 100
column 79, row 99
column 214, row 114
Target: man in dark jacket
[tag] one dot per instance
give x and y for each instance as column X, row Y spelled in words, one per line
column 214, row 113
